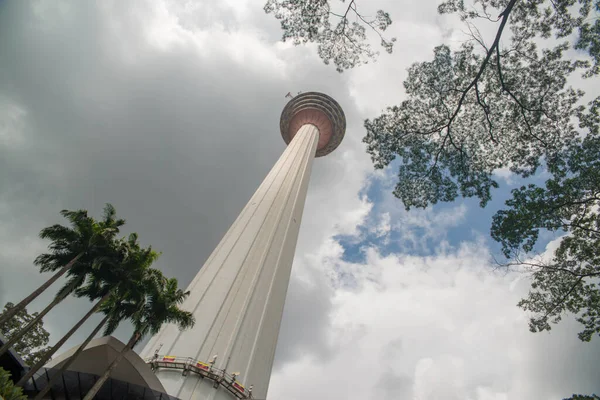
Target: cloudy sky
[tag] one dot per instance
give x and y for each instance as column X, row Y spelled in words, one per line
column 170, row 109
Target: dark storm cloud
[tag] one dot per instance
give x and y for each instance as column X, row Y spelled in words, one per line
column 177, row 138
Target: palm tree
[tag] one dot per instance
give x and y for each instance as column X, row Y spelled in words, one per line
column 69, row 245
column 160, row 306
column 75, row 251
column 122, row 289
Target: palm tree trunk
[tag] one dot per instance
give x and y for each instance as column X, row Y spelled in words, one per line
column 98, row 385
column 37, row 319
column 8, row 314
column 62, row 341
column 70, row 361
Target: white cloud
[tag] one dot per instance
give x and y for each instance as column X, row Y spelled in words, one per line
column 505, row 174
column 383, row 228
column 435, row 327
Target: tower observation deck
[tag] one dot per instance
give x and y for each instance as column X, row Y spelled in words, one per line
column 238, row 295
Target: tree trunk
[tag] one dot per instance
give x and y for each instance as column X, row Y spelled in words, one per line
column 62, row 341
column 70, row 361
column 8, row 314
column 100, row 382
column 37, row 319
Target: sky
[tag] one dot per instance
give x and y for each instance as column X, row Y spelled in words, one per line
column 170, row 111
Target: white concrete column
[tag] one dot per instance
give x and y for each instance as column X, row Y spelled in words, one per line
column 239, row 294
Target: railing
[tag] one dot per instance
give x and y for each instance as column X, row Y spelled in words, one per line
column 205, row 370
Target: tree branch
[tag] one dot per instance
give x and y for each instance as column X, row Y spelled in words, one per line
column 486, row 111
column 522, row 108
column 505, row 15
column 542, row 265
column 344, row 17
column 563, row 298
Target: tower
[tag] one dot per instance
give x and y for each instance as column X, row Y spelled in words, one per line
column 238, row 295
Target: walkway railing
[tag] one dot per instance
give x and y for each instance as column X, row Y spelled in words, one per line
column 205, row 370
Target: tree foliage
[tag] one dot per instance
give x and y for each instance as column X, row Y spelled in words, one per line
column 484, row 106
column 568, row 202
column 90, row 238
column 114, row 277
column 77, row 250
column 122, row 283
column 32, row 346
column 8, row 391
column 73, row 249
column 340, row 39
column 507, row 104
column 113, row 272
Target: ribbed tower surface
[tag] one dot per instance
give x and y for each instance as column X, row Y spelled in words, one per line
column 238, row 295
column 316, row 109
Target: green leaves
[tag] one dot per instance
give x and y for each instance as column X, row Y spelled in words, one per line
column 486, row 106
column 342, row 41
column 569, row 202
column 32, row 346
column 163, row 306
column 589, row 41
column 460, row 122
column 157, row 302
column 86, row 237
column 100, row 266
column 505, row 104
column 8, row 391
column 137, row 292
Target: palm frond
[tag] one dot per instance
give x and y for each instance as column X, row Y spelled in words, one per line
column 111, row 325
column 56, row 232
column 109, row 213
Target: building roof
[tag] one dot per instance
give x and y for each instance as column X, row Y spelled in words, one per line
column 98, row 355
column 11, row 361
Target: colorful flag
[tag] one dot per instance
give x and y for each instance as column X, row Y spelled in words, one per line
column 169, row 358
column 203, row 366
column 238, row 386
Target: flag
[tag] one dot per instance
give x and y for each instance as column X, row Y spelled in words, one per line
column 203, row 366
column 169, row 358
column 238, row 386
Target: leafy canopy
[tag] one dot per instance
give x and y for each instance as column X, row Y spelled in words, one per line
column 160, row 305
column 484, row 106
column 32, row 346
column 568, row 202
column 122, row 276
column 86, row 239
column 343, row 41
column 507, row 104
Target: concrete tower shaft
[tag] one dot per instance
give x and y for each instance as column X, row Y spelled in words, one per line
column 239, row 293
